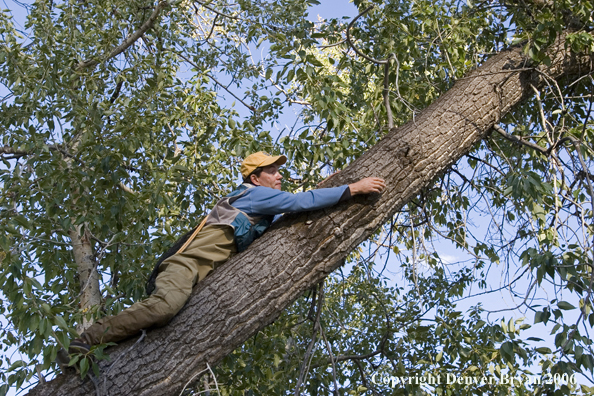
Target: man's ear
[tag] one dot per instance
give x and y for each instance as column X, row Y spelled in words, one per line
column 254, row 180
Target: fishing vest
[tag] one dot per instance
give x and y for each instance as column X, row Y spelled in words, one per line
column 246, row 228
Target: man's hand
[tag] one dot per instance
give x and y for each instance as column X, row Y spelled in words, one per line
column 368, row 185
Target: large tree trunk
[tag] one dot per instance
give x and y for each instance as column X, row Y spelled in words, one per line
column 251, row 290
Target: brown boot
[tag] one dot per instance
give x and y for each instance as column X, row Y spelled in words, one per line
column 63, row 361
column 78, row 346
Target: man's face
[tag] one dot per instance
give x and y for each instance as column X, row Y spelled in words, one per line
column 270, row 177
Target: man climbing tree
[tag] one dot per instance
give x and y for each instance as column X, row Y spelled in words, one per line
column 232, row 225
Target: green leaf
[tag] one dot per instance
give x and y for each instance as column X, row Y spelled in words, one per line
column 84, row 366
column 59, row 321
column 507, row 351
column 565, row 305
column 22, row 220
column 74, row 359
column 17, row 364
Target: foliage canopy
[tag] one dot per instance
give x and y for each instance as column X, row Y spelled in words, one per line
column 130, row 149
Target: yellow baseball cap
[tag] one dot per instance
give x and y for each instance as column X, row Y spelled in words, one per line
column 260, row 159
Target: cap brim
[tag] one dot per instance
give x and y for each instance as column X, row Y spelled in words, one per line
column 279, row 160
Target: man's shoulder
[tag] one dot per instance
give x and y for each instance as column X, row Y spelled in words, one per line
column 262, row 191
column 252, row 192
column 241, row 190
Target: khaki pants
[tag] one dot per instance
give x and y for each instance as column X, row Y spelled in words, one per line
column 177, row 275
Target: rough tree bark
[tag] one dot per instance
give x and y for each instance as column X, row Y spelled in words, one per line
column 251, row 290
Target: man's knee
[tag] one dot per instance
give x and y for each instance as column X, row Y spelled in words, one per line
column 168, row 305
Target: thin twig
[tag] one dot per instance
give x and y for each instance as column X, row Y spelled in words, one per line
column 486, row 163
column 349, row 357
column 310, row 347
column 217, row 12
column 348, row 37
column 386, row 63
column 10, row 95
column 214, row 24
column 331, row 45
column 446, row 51
column 197, row 374
column 519, row 140
column 547, row 129
column 118, row 358
column 331, row 359
column 252, row 108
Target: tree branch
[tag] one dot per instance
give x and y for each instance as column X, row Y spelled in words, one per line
column 214, row 24
column 16, row 152
column 348, row 37
column 329, row 349
column 129, row 40
column 347, row 357
column 116, row 92
column 386, row 63
column 217, row 12
column 386, row 91
column 252, row 108
column 22, row 153
column 517, row 139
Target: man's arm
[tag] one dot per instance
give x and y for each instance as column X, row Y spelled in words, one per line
column 268, row 201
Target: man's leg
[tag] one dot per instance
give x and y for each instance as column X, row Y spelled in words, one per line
column 177, row 275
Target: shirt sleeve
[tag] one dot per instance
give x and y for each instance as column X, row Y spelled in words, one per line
column 269, row 201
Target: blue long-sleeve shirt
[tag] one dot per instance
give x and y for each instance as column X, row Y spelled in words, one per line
column 259, row 200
